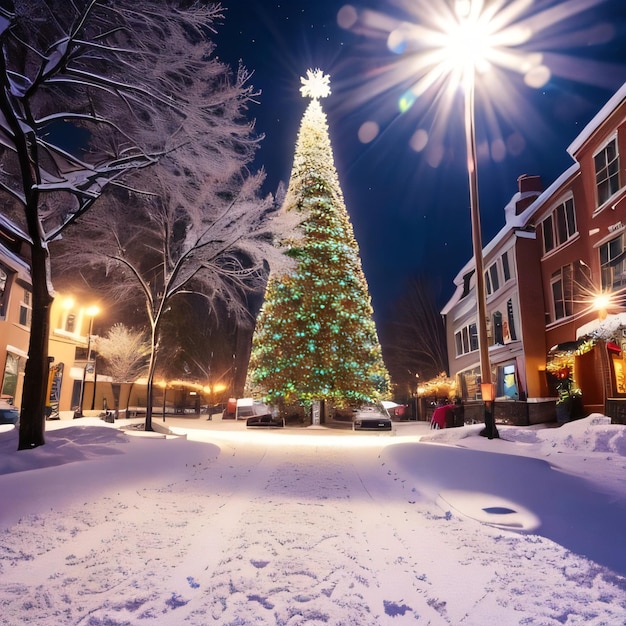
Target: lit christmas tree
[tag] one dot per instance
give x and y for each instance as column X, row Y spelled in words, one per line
column 315, row 337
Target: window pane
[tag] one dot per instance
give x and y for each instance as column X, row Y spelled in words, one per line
column 548, row 237
column 611, row 151
column 473, row 333
column 568, row 289
column 495, row 281
column 511, row 318
column 607, row 172
column 459, row 344
column 465, row 341
column 599, row 161
column 557, row 299
column 497, row 328
column 571, row 217
column 603, row 192
column 615, row 247
column 561, row 225
column 505, row 266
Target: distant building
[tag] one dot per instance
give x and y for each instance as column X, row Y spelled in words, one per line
column 68, row 335
column 15, row 308
column 559, row 249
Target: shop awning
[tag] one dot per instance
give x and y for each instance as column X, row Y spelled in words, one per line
column 567, row 346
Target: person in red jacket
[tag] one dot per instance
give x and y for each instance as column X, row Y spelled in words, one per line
column 442, row 413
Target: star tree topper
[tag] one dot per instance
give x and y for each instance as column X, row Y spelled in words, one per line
column 315, row 85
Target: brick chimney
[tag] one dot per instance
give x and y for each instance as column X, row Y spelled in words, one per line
column 530, row 187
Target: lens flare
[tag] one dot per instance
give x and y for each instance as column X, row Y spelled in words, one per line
column 434, row 47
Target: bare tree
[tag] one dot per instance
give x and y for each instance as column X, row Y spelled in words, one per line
column 100, row 74
column 125, row 353
column 414, row 342
column 155, row 250
column 196, row 223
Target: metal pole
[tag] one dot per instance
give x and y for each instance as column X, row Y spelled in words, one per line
column 82, row 383
column 490, row 430
column 481, row 301
column 164, row 396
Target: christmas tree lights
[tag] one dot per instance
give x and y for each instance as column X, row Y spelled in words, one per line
column 315, row 337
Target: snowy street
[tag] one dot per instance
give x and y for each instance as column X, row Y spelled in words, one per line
column 101, row 527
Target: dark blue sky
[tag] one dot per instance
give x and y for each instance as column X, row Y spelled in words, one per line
column 409, row 216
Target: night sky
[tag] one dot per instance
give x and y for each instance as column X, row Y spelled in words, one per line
column 410, row 208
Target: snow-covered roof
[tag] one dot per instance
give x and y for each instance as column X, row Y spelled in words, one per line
column 16, row 263
column 513, row 223
column 597, row 120
column 11, row 228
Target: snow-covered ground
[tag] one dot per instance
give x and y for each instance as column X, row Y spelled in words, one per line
column 106, row 527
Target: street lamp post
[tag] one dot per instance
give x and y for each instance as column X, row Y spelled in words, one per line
column 481, row 299
column 92, row 311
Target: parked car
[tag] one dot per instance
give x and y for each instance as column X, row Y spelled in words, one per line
column 9, row 414
column 256, row 413
column 372, row 417
column 267, row 420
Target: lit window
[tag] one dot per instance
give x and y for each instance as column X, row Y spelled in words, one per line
column 25, row 310
column 70, row 323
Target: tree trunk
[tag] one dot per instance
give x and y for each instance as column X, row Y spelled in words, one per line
column 150, row 388
column 32, row 415
column 151, row 372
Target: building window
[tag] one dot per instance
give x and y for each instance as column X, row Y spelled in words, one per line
column 562, row 292
column 510, row 328
column 467, row 283
column 606, row 164
column 70, row 322
column 4, row 277
column 466, row 340
column 492, row 279
column 11, row 370
column 25, row 310
column 560, row 226
column 507, row 382
column 497, row 328
column 548, row 234
column 613, row 264
column 506, row 268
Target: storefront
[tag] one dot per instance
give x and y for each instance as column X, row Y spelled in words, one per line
column 591, row 371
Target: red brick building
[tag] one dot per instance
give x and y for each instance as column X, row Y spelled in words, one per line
column 559, row 249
